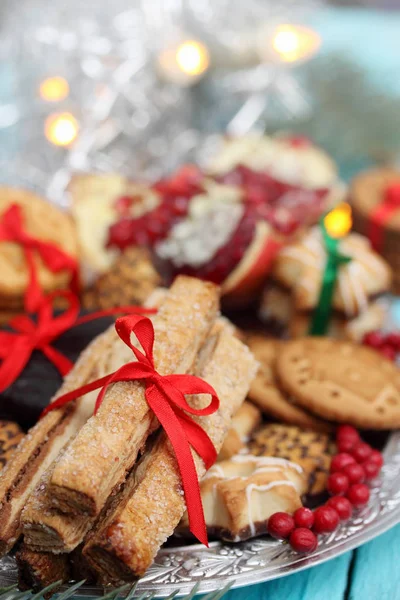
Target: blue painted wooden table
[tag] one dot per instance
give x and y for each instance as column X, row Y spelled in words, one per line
column 368, row 573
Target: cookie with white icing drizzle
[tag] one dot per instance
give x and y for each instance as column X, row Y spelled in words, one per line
column 311, row 450
column 300, row 268
column 240, row 494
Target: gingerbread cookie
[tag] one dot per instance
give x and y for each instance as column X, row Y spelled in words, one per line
column 45, row 222
column 244, row 422
column 341, row 381
column 368, row 191
column 10, row 436
column 130, row 281
column 265, row 391
column 309, row 449
column 240, row 494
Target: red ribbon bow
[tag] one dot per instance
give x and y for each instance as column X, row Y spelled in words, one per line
column 12, row 230
column 165, row 395
column 16, row 347
column 382, row 213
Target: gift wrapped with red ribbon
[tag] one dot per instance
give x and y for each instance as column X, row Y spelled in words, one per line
column 12, row 229
column 382, row 214
column 375, row 199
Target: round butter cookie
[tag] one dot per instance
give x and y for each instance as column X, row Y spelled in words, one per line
column 45, row 222
column 310, row 449
column 266, row 393
column 341, row 381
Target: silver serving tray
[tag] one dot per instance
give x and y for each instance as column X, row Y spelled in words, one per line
column 261, row 559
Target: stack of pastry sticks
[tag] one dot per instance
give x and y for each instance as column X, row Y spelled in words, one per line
column 83, row 491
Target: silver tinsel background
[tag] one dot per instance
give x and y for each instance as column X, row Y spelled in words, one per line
column 134, row 122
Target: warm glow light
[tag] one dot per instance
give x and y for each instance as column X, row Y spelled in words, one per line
column 183, row 63
column 192, row 58
column 338, row 221
column 54, row 89
column 61, row 129
column 294, row 42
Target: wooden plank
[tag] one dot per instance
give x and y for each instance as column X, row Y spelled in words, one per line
column 376, row 572
column 328, row 580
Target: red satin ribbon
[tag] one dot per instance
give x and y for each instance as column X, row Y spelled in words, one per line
column 16, row 347
column 12, row 230
column 165, row 395
column 382, row 214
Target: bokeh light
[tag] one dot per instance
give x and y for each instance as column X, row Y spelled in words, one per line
column 338, row 221
column 294, row 42
column 61, row 129
column 54, row 89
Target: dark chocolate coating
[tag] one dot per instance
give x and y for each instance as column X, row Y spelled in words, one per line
column 24, row 400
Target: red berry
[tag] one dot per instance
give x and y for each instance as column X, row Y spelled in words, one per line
column 345, row 445
column 326, row 519
column 338, row 483
column 304, row 517
column 388, row 351
column 303, row 540
column 371, row 470
column 361, row 452
column 355, row 473
column 342, row 506
column 358, row 494
column 376, row 457
column 373, row 339
column 393, row 339
column 347, row 433
column 340, row 461
column 280, row 525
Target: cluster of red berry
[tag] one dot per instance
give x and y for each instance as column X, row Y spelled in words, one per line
column 355, row 463
column 388, row 345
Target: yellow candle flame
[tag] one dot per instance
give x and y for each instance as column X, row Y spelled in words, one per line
column 54, row 89
column 61, row 129
column 338, row 221
column 192, row 58
column 295, row 42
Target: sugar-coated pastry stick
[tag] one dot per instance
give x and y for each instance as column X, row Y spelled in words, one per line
column 37, row 570
column 107, row 446
column 39, row 448
column 141, row 518
column 44, row 441
column 45, row 528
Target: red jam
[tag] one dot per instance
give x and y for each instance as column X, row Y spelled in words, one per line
column 285, row 206
column 155, row 225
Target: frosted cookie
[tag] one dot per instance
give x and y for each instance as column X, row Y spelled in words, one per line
column 98, row 201
column 240, row 494
column 284, row 158
column 341, row 381
column 300, row 268
column 265, row 390
column 309, row 449
column 245, row 421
